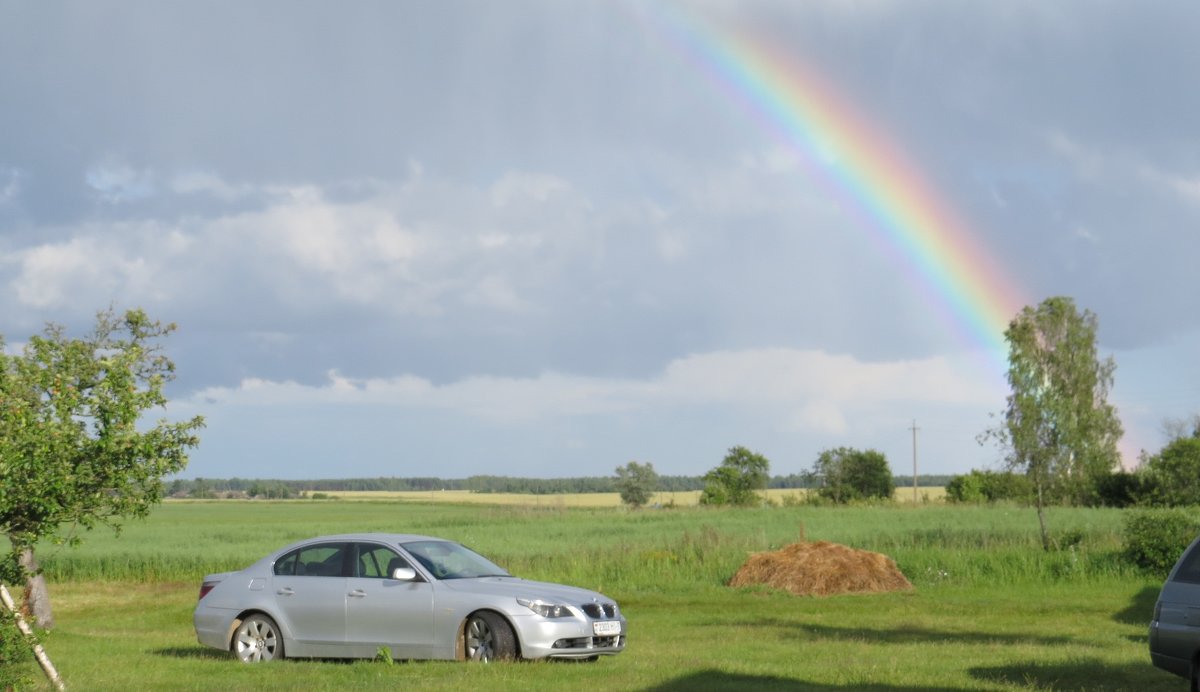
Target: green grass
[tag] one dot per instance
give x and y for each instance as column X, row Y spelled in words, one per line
column 990, row 611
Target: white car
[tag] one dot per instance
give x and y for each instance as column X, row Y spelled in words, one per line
column 420, row 597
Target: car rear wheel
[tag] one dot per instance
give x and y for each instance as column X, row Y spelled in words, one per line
column 257, row 639
column 488, row 637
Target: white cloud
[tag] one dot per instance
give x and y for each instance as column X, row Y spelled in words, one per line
column 104, row 263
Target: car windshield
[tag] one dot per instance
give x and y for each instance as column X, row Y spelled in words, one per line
column 446, row 560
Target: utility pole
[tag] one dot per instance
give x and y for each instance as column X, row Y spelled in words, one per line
column 914, row 432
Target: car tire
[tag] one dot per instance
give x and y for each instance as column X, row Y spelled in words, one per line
column 488, row 637
column 257, row 639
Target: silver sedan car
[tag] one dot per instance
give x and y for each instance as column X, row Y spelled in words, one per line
column 350, row 596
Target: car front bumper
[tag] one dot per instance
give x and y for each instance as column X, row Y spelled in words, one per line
column 567, row 638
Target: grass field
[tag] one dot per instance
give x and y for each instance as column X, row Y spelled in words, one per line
column 990, row 611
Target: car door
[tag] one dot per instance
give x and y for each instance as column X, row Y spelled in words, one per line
column 381, row 611
column 310, row 594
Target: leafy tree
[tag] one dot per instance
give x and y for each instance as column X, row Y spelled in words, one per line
column 1172, row 477
column 72, row 453
column 736, row 481
column 636, row 483
column 852, row 474
column 1058, row 427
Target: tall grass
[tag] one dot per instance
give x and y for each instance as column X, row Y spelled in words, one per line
column 611, row 548
column 992, row 610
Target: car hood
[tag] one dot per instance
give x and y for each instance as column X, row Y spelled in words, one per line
column 523, row 588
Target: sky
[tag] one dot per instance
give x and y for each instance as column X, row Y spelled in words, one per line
column 544, row 238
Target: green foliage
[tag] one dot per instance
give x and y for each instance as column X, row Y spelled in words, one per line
column 636, row 483
column 1059, row 428
column 269, row 490
column 16, row 656
column 1121, row 489
column 72, row 453
column 736, row 481
column 1154, row 539
column 1172, row 477
column 989, row 486
column 851, row 474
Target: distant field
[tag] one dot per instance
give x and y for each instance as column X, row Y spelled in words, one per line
column 679, row 499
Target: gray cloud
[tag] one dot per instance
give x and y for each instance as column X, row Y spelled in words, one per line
column 457, row 190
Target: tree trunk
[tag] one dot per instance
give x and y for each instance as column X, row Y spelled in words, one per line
column 37, row 596
column 1042, row 519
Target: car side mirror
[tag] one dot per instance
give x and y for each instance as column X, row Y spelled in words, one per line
column 404, row 574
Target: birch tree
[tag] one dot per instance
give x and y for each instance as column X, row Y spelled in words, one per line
column 1059, row 428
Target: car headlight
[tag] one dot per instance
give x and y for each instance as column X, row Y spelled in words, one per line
column 547, row 610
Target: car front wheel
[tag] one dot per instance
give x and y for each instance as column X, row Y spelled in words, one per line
column 488, row 637
column 257, row 639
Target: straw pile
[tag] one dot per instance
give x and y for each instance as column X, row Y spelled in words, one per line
column 822, row 569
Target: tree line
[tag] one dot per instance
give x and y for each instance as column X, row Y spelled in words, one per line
column 268, row 488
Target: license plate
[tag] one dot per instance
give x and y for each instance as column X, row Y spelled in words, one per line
column 607, row 628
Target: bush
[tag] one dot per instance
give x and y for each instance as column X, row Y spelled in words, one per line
column 1173, row 475
column 15, row 655
column 966, row 488
column 989, row 486
column 1154, row 539
column 1120, row 489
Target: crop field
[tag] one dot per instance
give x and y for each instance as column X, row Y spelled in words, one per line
column 688, row 498
column 990, row 609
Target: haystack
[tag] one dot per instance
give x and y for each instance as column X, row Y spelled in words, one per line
column 822, row 569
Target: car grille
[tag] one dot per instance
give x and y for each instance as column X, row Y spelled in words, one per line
column 599, row 611
column 613, row 642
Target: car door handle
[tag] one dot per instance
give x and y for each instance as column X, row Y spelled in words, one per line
column 357, row 593
column 285, row 591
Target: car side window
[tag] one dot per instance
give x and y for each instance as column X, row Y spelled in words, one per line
column 287, row 564
column 1189, row 568
column 377, row 561
column 323, row 560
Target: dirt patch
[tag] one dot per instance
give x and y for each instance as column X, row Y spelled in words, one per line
column 822, row 569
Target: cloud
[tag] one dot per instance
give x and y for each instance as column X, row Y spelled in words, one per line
column 117, row 182
column 104, row 262
column 807, row 390
column 11, row 180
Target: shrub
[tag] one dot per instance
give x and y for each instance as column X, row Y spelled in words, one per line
column 1173, row 475
column 966, row 488
column 15, row 655
column 1120, row 489
column 989, row 486
column 1154, row 539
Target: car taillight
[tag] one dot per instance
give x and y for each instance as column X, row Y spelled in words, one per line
column 205, row 588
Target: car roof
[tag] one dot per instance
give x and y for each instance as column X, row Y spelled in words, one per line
column 380, row 537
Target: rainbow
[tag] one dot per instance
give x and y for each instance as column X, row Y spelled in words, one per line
column 956, row 274
column 954, row 271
